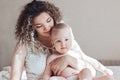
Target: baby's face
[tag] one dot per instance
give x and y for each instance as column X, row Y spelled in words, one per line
column 62, row 40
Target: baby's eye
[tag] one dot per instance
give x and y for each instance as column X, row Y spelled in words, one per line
column 66, row 39
column 58, row 41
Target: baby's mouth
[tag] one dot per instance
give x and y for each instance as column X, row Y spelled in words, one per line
column 63, row 48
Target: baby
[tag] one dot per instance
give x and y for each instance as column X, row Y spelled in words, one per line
column 62, row 37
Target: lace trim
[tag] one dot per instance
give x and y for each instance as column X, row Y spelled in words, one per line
column 38, row 48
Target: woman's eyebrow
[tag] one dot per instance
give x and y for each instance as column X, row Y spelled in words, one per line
column 37, row 24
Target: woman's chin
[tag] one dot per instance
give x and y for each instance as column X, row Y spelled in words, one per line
column 47, row 35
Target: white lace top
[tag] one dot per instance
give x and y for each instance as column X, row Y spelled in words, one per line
column 35, row 62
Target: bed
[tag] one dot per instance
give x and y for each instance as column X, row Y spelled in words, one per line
column 4, row 74
column 116, row 71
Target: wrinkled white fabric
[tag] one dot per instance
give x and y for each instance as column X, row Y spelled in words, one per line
column 5, row 73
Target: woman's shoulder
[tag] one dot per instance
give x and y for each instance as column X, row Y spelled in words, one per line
column 20, row 49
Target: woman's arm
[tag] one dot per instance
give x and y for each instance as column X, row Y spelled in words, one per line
column 47, row 73
column 59, row 64
column 18, row 62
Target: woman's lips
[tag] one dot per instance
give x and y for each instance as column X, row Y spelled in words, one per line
column 47, row 32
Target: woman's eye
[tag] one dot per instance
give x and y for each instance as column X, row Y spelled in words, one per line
column 39, row 26
column 48, row 20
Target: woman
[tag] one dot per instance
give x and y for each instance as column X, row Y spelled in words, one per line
column 33, row 47
column 32, row 31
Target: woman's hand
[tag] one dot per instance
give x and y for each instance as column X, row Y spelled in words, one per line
column 59, row 64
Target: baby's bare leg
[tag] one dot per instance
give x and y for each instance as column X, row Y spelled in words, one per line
column 57, row 78
column 85, row 74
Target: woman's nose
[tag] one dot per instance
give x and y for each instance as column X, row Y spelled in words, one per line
column 47, row 28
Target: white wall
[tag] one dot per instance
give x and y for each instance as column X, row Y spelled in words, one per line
column 9, row 11
column 95, row 24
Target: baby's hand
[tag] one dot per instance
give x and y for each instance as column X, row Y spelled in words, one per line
column 108, row 72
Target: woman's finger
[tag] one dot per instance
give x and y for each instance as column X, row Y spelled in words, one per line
column 59, row 72
column 54, row 68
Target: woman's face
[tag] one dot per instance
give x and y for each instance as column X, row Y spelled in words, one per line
column 42, row 24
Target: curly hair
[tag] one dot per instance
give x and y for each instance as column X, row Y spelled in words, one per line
column 31, row 10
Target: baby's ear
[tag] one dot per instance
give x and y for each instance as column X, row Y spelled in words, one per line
column 53, row 45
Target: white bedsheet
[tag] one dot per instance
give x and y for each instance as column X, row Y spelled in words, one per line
column 5, row 74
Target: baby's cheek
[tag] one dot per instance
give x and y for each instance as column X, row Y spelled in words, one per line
column 70, row 45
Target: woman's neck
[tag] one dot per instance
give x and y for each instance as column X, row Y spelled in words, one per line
column 45, row 41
